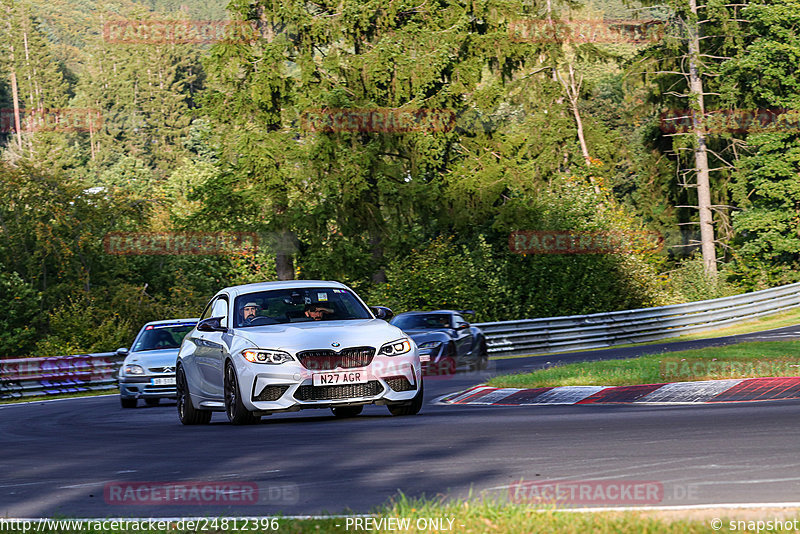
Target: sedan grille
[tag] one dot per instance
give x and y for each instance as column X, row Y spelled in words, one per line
column 348, row 391
column 168, row 369
column 326, row 360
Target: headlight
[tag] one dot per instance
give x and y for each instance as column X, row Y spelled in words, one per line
column 430, row 344
column 273, row 357
column 400, row 346
column 133, row 369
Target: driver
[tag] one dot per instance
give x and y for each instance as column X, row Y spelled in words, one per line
column 249, row 313
column 316, row 311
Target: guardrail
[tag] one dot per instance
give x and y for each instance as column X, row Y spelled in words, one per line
column 26, row 377
column 600, row 330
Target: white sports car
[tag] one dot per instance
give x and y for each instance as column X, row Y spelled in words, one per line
column 285, row 346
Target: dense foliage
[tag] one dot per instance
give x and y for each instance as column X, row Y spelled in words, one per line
column 546, row 135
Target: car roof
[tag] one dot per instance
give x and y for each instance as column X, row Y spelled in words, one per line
column 428, row 312
column 286, row 284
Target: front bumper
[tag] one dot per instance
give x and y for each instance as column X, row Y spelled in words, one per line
column 289, row 386
column 144, row 387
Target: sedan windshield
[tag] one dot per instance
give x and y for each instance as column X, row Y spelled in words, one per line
column 298, row 305
column 426, row 321
column 161, row 336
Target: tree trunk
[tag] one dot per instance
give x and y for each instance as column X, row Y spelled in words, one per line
column 700, row 152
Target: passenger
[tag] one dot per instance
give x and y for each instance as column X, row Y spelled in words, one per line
column 316, row 311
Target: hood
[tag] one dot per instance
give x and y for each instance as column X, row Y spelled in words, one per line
column 153, row 358
column 294, row 337
column 423, row 336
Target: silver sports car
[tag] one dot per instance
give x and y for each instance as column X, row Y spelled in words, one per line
column 285, row 346
column 148, row 371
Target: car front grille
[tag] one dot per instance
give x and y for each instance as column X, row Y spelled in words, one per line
column 399, row 383
column 165, row 389
column 168, row 369
column 348, row 391
column 326, row 360
column 271, row 393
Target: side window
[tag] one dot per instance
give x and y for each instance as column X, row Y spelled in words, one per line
column 207, row 312
column 458, row 319
column 220, row 309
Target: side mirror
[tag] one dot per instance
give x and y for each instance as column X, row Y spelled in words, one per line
column 462, row 326
column 212, row 324
column 382, row 312
column 122, row 352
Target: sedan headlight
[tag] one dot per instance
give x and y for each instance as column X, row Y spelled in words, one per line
column 430, row 344
column 400, row 346
column 133, row 369
column 274, row 357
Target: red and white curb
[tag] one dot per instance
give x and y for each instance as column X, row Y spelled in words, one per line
column 707, row 391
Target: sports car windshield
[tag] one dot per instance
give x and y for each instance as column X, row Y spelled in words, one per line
column 298, row 305
column 162, row 336
column 427, row 321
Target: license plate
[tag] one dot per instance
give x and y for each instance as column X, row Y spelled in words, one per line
column 424, row 357
column 164, row 381
column 336, row 379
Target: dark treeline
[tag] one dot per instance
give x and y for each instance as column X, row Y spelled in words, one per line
column 509, row 132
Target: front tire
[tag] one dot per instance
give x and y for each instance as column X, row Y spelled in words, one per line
column 187, row 413
column 411, row 407
column 482, row 362
column 127, row 403
column 237, row 413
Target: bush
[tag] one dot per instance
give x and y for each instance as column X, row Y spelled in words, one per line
column 20, row 318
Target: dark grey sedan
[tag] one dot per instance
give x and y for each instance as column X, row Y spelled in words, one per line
column 445, row 339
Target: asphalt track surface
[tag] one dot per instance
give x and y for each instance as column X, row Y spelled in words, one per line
column 60, row 458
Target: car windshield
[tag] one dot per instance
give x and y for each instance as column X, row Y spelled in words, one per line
column 296, row 305
column 427, row 321
column 162, row 336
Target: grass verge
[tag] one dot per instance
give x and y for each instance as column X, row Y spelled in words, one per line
column 743, row 360
column 461, row 517
column 77, row 394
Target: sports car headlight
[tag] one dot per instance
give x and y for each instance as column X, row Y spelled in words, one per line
column 273, row 357
column 133, row 369
column 430, row 344
column 400, row 346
